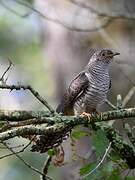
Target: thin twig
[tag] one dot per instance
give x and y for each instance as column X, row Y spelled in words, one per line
column 3, row 4
column 5, row 72
column 110, row 104
column 26, row 163
column 119, row 101
column 57, row 21
column 128, row 96
column 17, row 152
column 35, row 93
column 113, row 15
column 45, row 167
column 99, row 164
column 14, row 147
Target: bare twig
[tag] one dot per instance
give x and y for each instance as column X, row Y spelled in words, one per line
column 113, row 15
column 13, row 11
column 110, row 104
column 119, row 102
column 108, row 20
column 13, row 147
column 35, row 93
column 26, row 163
column 99, row 164
column 17, row 152
column 5, row 72
column 128, row 96
column 45, row 167
column 57, row 21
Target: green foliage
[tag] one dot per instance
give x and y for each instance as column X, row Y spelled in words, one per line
column 100, row 142
column 51, row 152
column 114, row 156
column 87, row 168
column 114, row 176
column 77, row 134
column 130, row 178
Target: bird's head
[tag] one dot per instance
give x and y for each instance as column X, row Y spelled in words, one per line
column 104, row 55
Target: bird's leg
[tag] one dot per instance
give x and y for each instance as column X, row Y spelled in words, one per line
column 89, row 115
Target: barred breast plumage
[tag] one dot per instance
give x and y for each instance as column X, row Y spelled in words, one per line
column 89, row 88
column 95, row 93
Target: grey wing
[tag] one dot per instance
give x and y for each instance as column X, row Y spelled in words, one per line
column 77, row 86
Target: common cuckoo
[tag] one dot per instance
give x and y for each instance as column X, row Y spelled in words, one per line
column 85, row 92
column 89, row 88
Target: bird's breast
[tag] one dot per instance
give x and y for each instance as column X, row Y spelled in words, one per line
column 93, row 96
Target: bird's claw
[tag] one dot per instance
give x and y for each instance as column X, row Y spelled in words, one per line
column 88, row 115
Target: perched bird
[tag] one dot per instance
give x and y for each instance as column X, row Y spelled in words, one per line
column 85, row 92
column 89, row 88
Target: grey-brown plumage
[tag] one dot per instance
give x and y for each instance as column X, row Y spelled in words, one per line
column 85, row 92
column 89, row 88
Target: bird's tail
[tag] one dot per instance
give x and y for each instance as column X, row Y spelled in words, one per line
column 60, row 109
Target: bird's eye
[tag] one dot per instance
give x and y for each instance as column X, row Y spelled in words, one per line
column 103, row 54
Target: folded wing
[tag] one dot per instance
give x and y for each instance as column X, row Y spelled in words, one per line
column 77, row 86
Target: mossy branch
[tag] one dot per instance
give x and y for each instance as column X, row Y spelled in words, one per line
column 55, row 128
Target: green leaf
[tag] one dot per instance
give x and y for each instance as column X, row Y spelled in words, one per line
column 87, row 168
column 100, row 142
column 51, row 152
column 79, row 134
column 108, row 167
column 115, row 175
column 114, row 156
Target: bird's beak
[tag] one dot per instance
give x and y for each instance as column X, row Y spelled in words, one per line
column 115, row 54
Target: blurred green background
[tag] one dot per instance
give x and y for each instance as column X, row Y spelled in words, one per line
column 20, row 42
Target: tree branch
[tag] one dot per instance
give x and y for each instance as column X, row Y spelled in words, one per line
column 54, row 133
column 104, row 24
column 35, row 93
column 112, row 15
column 46, row 117
column 45, row 167
column 26, row 163
column 18, row 115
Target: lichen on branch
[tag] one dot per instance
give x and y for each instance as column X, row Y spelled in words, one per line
column 55, row 128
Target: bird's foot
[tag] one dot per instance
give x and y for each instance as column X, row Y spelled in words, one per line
column 88, row 115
